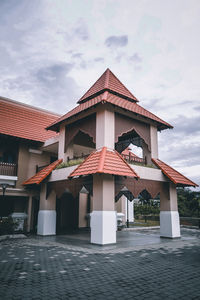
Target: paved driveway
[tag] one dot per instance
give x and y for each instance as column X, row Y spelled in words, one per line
column 67, row 267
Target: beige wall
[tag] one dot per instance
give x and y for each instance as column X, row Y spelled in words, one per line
column 103, row 192
column 27, row 162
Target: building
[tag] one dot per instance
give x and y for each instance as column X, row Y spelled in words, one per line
column 82, row 178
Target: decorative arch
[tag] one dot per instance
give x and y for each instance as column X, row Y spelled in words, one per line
column 125, row 125
column 137, row 186
column 86, row 125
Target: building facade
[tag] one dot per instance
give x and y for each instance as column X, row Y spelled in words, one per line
column 86, row 173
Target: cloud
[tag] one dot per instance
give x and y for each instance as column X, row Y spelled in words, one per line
column 136, row 58
column 116, row 41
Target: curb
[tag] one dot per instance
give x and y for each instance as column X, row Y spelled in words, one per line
column 12, row 236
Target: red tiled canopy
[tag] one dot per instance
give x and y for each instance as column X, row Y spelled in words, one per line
column 104, row 161
column 24, row 121
column 41, row 175
column 172, row 174
column 107, row 97
column 108, row 82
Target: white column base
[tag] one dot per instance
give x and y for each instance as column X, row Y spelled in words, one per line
column 103, row 227
column 169, row 224
column 46, row 222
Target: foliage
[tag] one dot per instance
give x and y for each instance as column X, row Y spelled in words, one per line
column 70, row 163
column 188, row 203
column 146, row 210
column 7, row 226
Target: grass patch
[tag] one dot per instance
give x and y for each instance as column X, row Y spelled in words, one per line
column 148, row 223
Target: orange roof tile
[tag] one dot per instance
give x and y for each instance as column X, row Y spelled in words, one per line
column 172, row 174
column 107, row 97
column 108, row 82
column 24, row 121
column 41, row 175
column 104, row 161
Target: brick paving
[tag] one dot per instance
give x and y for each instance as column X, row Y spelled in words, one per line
column 46, row 268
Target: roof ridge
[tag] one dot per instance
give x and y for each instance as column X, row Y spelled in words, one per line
column 102, row 160
column 19, row 103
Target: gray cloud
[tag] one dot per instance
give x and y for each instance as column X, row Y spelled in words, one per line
column 187, row 126
column 116, row 41
column 55, row 84
column 136, row 58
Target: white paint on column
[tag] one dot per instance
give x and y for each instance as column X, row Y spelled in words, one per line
column 103, row 227
column 130, row 210
column 46, row 222
column 169, row 224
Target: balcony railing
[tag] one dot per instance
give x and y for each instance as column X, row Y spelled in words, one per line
column 8, row 169
column 132, row 159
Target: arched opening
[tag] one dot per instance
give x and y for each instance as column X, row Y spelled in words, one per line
column 147, row 209
column 132, row 147
column 83, row 144
column 67, row 212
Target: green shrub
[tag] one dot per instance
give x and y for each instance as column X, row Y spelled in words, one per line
column 7, row 226
column 70, row 163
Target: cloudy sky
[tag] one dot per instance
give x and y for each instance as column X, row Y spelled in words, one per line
column 51, row 52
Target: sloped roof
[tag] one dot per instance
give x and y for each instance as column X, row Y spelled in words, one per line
column 41, row 175
column 172, row 174
column 104, row 161
column 108, row 82
column 107, row 97
column 24, row 121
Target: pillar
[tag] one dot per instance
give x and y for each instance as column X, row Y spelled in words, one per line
column 83, row 208
column 62, row 152
column 129, row 210
column 103, row 216
column 169, row 216
column 154, row 141
column 105, row 129
column 47, row 213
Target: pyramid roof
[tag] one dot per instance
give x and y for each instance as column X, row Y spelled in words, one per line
column 104, row 161
column 118, row 101
column 108, row 82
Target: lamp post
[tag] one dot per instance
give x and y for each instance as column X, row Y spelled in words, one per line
column 127, row 223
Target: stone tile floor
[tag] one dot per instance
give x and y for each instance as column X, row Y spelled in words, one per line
column 140, row 266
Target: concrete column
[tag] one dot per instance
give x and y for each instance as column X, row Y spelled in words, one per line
column 169, row 216
column 105, row 129
column 154, row 141
column 103, row 216
column 29, row 212
column 47, row 213
column 62, row 152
